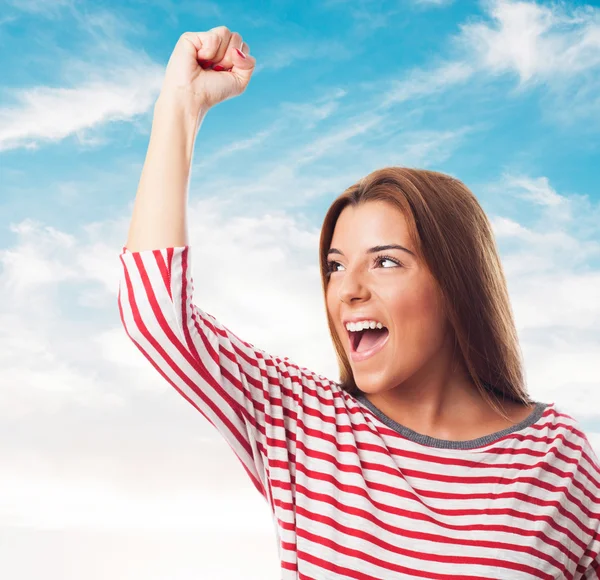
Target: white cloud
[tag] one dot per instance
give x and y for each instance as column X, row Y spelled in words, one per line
column 25, row 268
column 7, row 20
column 556, row 45
column 433, row 2
column 539, row 191
column 43, row 114
column 273, row 258
column 240, row 145
column 331, row 141
column 305, row 115
column 283, row 56
column 427, row 82
column 560, row 244
column 46, row 8
column 553, row 292
column 313, row 112
column 105, row 445
column 110, row 82
column 102, row 80
column 140, row 555
column 337, row 156
column 537, row 42
column 35, row 500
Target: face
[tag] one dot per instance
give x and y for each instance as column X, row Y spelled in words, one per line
column 391, row 286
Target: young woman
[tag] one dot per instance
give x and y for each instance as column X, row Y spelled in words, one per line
column 428, row 459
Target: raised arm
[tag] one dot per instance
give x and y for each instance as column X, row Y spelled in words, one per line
column 188, row 91
column 159, row 211
column 252, row 398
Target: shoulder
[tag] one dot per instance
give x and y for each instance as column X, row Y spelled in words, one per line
column 564, row 440
column 572, row 446
column 556, row 421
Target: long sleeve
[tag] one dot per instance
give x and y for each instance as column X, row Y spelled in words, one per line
column 250, row 397
column 593, row 571
column 589, row 566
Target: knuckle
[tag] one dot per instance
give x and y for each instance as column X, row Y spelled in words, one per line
column 214, row 38
column 220, row 29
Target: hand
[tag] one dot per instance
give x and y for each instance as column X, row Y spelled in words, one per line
column 191, row 67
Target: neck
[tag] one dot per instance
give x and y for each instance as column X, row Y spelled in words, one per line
column 440, row 399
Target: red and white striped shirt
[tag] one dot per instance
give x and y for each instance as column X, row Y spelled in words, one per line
column 353, row 494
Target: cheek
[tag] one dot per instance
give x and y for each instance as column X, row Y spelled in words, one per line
column 331, row 304
column 419, row 318
column 333, row 309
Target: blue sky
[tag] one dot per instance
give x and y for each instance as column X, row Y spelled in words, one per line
column 96, row 453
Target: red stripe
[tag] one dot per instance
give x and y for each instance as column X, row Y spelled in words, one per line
column 398, row 491
column 432, row 537
column 361, row 555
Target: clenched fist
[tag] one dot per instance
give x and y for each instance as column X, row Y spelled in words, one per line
column 209, row 67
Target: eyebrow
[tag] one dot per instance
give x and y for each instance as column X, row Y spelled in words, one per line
column 375, row 249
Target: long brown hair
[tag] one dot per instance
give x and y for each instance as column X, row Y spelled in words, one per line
column 454, row 238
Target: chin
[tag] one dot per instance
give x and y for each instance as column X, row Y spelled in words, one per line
column 373, row 383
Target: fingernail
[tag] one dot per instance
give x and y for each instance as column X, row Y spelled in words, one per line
column 240, row 53
column 218, row 67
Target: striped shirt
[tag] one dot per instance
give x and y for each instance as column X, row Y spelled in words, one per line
column 353, row 494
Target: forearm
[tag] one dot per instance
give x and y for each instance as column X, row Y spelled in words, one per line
column 159, row 212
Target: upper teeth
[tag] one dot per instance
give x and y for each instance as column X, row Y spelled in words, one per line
column 362, row 325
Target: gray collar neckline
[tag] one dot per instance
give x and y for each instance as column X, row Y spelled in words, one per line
column 533, row 417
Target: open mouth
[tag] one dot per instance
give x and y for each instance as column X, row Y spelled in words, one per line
column 367, row 339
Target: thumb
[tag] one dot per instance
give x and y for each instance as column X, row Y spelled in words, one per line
column 242, row 66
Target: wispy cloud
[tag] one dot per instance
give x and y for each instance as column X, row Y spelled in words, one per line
column 48, row 114
column 289, row 114
column 105, row 81
column 283, row 56
column 7, row 20
column 420, row 82
column 46, row 8
column 538, row 190
column 553, row 290
column 321, row 164
column 180, row 12
column 555, row 45
column 534, row 41
column 433, row 3
column 313, row 112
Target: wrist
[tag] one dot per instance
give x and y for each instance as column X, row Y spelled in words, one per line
column 181, row 102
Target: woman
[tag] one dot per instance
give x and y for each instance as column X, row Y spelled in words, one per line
column 427, row 459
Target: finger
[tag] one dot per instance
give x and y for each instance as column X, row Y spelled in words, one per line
column 243, row 66
column 227, row 61
column 245, row 48
column 224, row 35
column 207, row 45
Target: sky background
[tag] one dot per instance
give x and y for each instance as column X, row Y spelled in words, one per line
column 105, row 472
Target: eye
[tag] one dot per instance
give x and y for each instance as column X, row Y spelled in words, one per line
column 331, row 266
column 380, row 259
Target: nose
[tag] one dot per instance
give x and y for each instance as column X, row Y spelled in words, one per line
column 352, row 287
